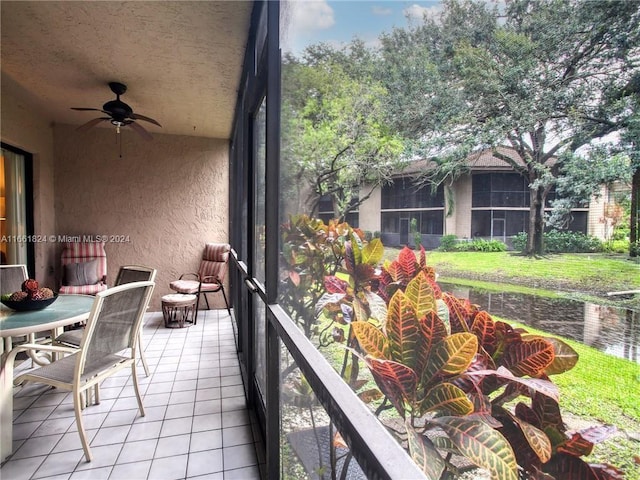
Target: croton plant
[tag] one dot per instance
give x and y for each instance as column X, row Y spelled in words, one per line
column 471, row 391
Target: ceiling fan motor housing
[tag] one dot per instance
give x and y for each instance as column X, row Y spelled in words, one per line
column 120, row 114
column 118, row 110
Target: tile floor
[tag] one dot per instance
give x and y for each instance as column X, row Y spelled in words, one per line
column 196, row 424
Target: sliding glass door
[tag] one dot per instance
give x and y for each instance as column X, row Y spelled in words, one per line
column 16, row 209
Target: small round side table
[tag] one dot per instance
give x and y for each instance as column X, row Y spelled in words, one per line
column 178, row 309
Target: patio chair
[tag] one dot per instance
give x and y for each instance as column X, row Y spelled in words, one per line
column 126, row 274
column 210, row 276
column 109, row 345
column 84, row 268
column 11, row 278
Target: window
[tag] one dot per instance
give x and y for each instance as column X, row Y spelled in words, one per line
column 403, row 193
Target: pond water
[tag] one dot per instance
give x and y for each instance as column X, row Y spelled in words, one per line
column 613, row 330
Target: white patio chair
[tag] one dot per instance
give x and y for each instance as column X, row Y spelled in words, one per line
column 108, row 345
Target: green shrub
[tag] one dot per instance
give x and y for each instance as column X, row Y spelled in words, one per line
column 562, row 242
column 448, row 243
column 571, row 242
column 480, row 245
column 616, row 246
column 417, row 236
column 519, row 241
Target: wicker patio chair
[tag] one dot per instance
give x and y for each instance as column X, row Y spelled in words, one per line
column 108, row 346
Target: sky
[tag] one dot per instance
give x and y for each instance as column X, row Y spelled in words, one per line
column 338, row 22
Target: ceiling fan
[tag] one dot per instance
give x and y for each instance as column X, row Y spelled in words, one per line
column 119, row 113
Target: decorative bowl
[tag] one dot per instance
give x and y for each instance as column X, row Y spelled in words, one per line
column 29, row 305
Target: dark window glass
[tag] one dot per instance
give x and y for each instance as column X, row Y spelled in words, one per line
column 499, row 190
column 402, row 193
column 516, row 222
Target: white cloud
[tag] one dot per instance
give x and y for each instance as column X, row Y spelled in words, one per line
column 416, row 12
column 299, row 20
column 312, row 15
column 378, row 10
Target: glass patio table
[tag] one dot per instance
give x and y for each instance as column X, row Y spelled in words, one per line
column 66, row 310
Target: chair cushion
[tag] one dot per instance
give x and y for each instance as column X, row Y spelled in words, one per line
column 83, row 289
column 210, row 287
column 191, row 286
column 184, row 286
column 78, row 252
column 82, row 273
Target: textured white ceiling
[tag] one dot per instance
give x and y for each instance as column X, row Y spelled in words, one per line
column 181, row 60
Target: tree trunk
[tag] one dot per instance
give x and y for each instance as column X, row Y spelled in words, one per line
column 634, row 241
column 535, row 238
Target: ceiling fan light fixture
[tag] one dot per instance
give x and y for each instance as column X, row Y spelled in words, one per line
column 119, row 113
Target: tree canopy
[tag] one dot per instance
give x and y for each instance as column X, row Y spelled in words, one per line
column 545, row 78
column 335, row 137
column 557, row 82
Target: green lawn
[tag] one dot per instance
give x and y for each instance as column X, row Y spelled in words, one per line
column 594, row 273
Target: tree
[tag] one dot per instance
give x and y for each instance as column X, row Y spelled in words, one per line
column 581, row 178
column 335, row 139
column 545, row 78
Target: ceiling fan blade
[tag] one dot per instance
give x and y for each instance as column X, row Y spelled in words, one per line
column 140, row 130
column 86, row 109
column 137, row 116
column 91, row 123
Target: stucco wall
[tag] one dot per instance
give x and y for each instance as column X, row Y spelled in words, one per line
column 164, row 197
column 22, row 126
column 595, row 224
column 459, row 223
column 369, row 217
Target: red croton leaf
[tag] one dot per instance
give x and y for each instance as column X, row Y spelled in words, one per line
column 422, row 258
column 398, row 382
column 433, row 331
column 548, row 411
column 430, row 273
column 576, row 445
column 393, row 270
column 407, row 263
column 567, row 467
column 524, row 412
column 482, row 409
column 364, row 273
column 525, row 454
column 475, row 384
column 349, row 257
column 458, row 312
column 333, row 284
column 406, row 342
column 483, row 327
column 581, row 443
column 529, row 357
